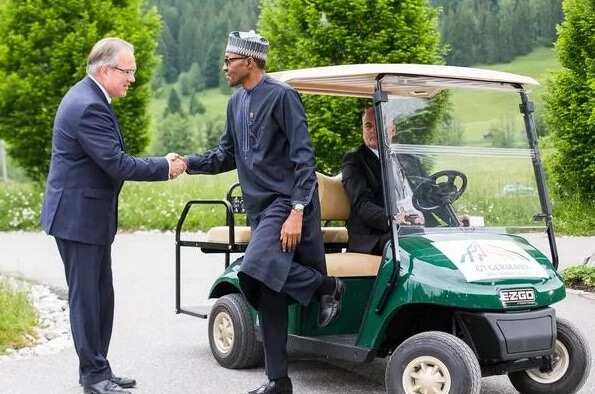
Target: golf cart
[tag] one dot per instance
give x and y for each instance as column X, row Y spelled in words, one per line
column 456, row 296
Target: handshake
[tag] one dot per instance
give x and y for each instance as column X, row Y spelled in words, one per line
column 177, row 164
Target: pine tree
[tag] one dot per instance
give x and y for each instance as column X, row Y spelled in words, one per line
column 196, row 106
column 43, row 52
column 174, row 104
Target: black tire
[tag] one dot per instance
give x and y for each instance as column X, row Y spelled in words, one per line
column 571, row 373
column 459, row 367
column 231, row 313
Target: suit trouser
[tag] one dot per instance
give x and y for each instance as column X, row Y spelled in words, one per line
column 272, row 311
column 88, row 271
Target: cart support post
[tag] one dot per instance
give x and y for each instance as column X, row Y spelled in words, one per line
column 388, row 183
column 527, row 108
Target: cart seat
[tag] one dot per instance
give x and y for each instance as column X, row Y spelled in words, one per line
column 220, row 234
column 352, row 264
column 334, row 205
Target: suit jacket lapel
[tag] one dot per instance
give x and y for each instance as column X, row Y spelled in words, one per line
column 372, row 164
column 118, row 132
column 99, row 92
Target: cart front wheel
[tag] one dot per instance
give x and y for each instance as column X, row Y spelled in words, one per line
column 232, row 334
column 570, row 365
column 433, row 362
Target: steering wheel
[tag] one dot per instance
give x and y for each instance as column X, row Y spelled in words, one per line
column 430, row 194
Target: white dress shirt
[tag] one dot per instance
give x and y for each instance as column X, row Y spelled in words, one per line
column 107, row 96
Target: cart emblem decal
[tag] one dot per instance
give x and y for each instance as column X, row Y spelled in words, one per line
column 491, row 259
column 513, row 297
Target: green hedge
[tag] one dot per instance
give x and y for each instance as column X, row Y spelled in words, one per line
column 580, row 277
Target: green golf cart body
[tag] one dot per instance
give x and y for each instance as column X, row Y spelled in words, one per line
column 450, row 300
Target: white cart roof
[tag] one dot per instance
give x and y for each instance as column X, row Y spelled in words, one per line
column 359, row 80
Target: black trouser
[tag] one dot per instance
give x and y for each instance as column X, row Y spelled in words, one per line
column 273, row 316
column 88, row 271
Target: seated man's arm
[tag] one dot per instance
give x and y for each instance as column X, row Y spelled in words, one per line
column 361, row 195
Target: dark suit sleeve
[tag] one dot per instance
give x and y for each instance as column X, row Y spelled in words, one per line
column 98, row 138
column 292, row 120
column 219, row 159
column 360, row 194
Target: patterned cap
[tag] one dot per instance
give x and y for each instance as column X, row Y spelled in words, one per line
column 248, row 44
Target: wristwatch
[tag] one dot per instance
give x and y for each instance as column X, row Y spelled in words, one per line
column 298, row 207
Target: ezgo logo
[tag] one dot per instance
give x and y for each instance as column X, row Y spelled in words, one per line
column 513, row 297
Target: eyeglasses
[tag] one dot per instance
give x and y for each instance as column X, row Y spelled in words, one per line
column 228, row 60
column 130, row 72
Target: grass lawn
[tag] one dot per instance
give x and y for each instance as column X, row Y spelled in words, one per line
column 478, row 111
column 18, row 318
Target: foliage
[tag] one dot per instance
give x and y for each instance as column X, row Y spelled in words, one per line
column 570, row 104
column 328, row 32
column 174, row 104
column 192, row 80
column 573, row 216
column 493, row 31
column 196, row 32
column 580, row 276
column 450, row 132
column 42, row 53
column 196, row 106
column 20, row 205
column 175, row 134
column 211, row 130
column 18, row 318
column 502, row 134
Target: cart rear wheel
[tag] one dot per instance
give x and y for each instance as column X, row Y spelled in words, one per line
column 232, row 334
column 433, row 362
column 571, row 365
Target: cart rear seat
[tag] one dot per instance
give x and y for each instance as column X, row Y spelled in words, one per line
column 334, row 206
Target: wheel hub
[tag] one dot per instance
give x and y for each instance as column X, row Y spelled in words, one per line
column 223, row 332
column 560, row 364
column 426, row 375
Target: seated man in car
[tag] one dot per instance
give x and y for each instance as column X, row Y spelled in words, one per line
column 367, row 225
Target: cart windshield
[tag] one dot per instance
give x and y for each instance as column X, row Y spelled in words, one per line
column 460, row 160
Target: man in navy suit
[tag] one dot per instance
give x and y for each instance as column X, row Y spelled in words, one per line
column 88, row 168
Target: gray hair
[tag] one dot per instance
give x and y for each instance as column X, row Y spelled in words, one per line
column 105, row 52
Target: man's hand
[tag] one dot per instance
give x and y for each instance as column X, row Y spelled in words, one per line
column 177, row 165
column 291, row 231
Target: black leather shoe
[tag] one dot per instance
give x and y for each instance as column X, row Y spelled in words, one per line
column 277, row 386
column 125, row 383
column 330, row 304
column 104, row 387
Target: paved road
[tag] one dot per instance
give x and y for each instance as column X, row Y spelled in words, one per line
column 169, row 354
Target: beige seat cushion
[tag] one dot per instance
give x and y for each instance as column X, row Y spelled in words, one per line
column 220, row 234
column 334, row 235
column 352, row 264
column 334, row 203
column 242, row 234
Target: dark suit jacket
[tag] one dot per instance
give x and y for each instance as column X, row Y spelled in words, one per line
column 367, row 223
column 88, row 168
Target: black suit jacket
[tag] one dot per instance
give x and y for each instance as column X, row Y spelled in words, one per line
column 367, row 224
